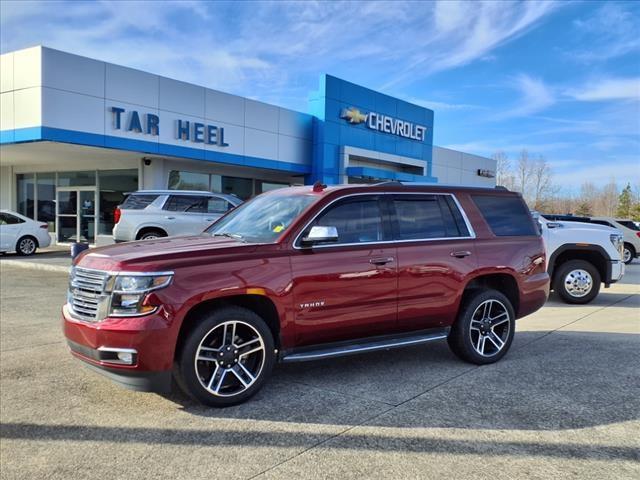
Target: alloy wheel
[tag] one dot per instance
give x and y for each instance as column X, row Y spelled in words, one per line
column 230, row 358
column 27, row 246
column 578, row 283
column 490, row 328
column 626, row 255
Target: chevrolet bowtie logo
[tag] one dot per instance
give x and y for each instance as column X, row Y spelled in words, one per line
column 353, row 115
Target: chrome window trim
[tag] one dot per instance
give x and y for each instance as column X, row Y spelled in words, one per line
column 471, row 236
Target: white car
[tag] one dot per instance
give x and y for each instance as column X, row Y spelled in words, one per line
column 149, row 214
column 21, row 234
column 581, row 257
column 630, row 232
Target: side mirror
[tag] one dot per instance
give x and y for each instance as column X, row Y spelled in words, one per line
column 320, row 234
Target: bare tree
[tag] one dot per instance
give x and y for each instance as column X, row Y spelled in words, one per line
column 523, row 174
column 504, row 176
column 541, row 180
column 609, row 199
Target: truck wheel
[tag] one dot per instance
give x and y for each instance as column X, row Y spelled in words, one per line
column 484, row 329
column 628, row 254
column 577, row 281
column 226, row 358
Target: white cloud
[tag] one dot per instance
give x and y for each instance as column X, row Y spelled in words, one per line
column 608, row 89
column 535, row 96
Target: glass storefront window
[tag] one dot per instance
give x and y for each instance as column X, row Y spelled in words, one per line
column 268, row 186
column 26, row 194
column 113, row 186
column 77, row 179
column 188, row 180
column 240, row 187
column 46, row 199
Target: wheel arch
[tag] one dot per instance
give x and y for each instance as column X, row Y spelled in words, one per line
column 261, row 305
column 504, row 283
column 594, row 254
column 147, row 228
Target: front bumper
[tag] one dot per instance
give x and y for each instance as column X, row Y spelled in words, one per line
column 616, row 272
column 150, row 337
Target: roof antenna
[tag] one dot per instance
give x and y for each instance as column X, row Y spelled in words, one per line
column 319, row 186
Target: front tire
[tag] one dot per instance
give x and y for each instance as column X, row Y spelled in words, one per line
column 26, row 246
column 226, row 358
column 577, row 282
column 484, row 330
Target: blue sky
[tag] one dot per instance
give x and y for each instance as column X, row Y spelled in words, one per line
column 560, row 79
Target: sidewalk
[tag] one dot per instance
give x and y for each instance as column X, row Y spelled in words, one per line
column 51, row 259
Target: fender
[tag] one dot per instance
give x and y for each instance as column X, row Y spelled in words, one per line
column 583, row 248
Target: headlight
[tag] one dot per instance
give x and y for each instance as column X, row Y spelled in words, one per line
column 617, row 241
column 129, row 291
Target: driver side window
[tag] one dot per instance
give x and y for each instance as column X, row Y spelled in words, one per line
column 357, row 221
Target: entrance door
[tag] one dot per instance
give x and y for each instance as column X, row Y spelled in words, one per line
column 75, row 214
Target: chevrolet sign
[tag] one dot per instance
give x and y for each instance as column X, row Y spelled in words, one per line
column 384, row 123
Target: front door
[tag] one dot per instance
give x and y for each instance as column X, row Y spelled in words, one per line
column 76, row 214
column 346, row 289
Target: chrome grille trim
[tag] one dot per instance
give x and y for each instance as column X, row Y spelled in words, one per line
column 87, row 299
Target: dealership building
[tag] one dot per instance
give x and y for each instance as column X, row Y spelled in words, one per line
column 81, row 133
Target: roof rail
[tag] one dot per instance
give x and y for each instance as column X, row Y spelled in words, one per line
column 397, row 183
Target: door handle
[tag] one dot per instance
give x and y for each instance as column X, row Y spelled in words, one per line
column 461, row 254
column 170, row 218
column 381, row 260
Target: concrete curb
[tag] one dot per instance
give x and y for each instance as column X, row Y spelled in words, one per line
column 35, row 266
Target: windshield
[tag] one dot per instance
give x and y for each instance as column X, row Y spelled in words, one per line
column 263, row 219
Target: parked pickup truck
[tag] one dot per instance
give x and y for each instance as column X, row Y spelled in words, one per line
column 582, row 256
column 308, row 273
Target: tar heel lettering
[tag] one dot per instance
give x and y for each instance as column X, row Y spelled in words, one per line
column 319, row 303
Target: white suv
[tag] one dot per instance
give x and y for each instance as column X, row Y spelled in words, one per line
column 148, row 214
column 630, row 232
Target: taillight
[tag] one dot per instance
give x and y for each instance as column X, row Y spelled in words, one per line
column 637, row 234
column 116, row 215
column 44, row 225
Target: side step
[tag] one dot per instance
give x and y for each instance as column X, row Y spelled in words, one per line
column 372, row 344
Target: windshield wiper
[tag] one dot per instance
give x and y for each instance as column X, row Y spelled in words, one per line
column 237, row 236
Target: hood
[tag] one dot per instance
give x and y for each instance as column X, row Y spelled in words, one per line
column 163, row 253
column 588, row 226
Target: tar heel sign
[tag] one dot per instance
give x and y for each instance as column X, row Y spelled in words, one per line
column 149, row 124
column 385, row 123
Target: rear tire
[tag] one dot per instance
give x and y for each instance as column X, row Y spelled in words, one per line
column 26, row 246
column 577, row 282
column 484, row 330
column 226, row 358
column 152, row 234
column 628, row 254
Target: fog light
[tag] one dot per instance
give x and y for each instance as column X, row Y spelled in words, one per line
column 125, row 357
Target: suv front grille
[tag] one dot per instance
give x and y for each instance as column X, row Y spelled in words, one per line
column 87, row 299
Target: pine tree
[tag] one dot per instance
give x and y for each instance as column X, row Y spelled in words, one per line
column 624, row 203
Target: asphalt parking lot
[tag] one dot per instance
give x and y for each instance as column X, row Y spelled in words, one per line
column 564, row 403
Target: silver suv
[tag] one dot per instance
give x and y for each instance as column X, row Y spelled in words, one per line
column 148, row 214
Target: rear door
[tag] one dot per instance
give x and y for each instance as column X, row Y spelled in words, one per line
column 436, row 252
column 10, row 229
column 184, row 214
column 346, row 289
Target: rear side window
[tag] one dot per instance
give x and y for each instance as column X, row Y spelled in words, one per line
column 186, row 203
column 602, row 222
column 506, row 215
column 6, row 219
column 628, row 224
column 428, row 216
column 137, row 202
column 218, row 205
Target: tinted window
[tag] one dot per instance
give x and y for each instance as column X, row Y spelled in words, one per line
column 357, row 221
column 218, row 205
column 137, row 202
column 427, row 216
column 6, row 219
column 506, row 215
column 602, row 222
column 628, row 224
column 186, row 203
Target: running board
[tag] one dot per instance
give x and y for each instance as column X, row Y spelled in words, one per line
column 372, row 344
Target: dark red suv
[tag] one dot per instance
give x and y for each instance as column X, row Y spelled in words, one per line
column 308, row 273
